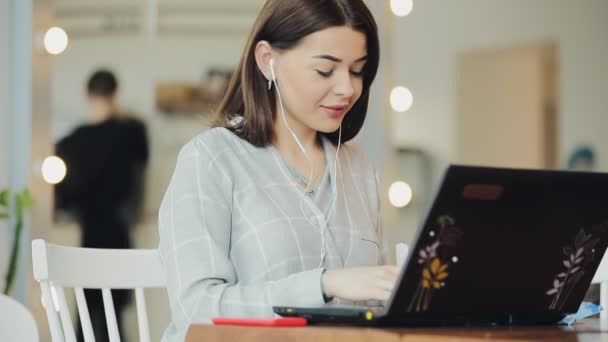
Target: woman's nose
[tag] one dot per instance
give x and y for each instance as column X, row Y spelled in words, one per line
column 344, row 85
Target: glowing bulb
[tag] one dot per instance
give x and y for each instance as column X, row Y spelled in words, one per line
column 55, row 40
column 401, row 99
column 53, row 170
column 401, row 8
column 400, row 194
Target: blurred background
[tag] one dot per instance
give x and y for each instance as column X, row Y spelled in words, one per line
column 512, row 83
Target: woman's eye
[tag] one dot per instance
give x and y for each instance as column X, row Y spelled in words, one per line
column 325, row 74
column 357, row 73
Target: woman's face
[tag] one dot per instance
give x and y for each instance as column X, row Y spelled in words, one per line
column 322, row 77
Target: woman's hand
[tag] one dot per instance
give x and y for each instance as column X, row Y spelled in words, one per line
column 360, row 283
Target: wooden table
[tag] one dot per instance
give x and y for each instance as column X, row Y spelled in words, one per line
column 589, row 330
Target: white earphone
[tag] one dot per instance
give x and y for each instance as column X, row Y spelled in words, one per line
column 273, row 77
column 272, row 74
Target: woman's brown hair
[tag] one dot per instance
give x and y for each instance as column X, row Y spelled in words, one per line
column 283, row 24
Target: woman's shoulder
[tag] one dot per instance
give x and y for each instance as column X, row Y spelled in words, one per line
column 357, row 157
column 212, row 142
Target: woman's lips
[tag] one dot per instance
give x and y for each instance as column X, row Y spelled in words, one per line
column 334, row 112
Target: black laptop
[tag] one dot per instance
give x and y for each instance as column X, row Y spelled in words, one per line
column 497, row 246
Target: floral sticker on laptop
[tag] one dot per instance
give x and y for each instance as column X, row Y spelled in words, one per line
column 576, row 258
column 435, row 259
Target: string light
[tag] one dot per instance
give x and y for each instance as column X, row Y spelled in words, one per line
column 401, row 99
column 402, row 8
column 55, row 40
column 400, row 194
column 53, row 170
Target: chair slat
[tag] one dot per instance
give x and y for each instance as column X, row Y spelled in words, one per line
column 108, row 306
column 142, row 315
column 51, row 314
column 64, row 313
column 83, row 313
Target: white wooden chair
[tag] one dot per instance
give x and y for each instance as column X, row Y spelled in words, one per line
column 16, row 322
column 58, row 267
column 601, row 277
column 401, row 253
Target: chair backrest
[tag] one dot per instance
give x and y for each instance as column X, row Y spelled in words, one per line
column 58, row 267
column 17, row 323
column 601, row 274
column 401, row 253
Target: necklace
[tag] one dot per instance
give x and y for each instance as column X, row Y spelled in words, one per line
column 303, row 181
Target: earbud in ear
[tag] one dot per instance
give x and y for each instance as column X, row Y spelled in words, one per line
column 274, row 79
column 272, row 74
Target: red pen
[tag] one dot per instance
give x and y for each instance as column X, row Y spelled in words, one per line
column 254, row 322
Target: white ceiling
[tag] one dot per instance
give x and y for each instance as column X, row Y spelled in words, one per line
column 178, row 17
column 171, row 2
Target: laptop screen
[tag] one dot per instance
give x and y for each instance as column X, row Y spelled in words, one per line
column 506, row 240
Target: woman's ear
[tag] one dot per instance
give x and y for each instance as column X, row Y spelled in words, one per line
column 263, row 54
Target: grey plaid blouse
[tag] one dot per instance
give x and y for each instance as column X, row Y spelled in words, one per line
column 238, row 235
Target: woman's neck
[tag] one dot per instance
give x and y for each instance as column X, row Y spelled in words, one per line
column 103, row 110
column 292, row 154
column 285, row 141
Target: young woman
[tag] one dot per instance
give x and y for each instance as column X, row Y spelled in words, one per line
column 272, row 206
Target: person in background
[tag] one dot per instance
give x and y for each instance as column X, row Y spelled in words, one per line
column 103, row 187
column 275, row 205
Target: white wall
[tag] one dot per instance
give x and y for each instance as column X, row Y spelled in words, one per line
column 138, row 64
column 3, row 90
column 22, row 63
column 4, row 243
column 427, row 42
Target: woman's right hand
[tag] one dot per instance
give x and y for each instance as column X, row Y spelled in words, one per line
column 360, row 283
